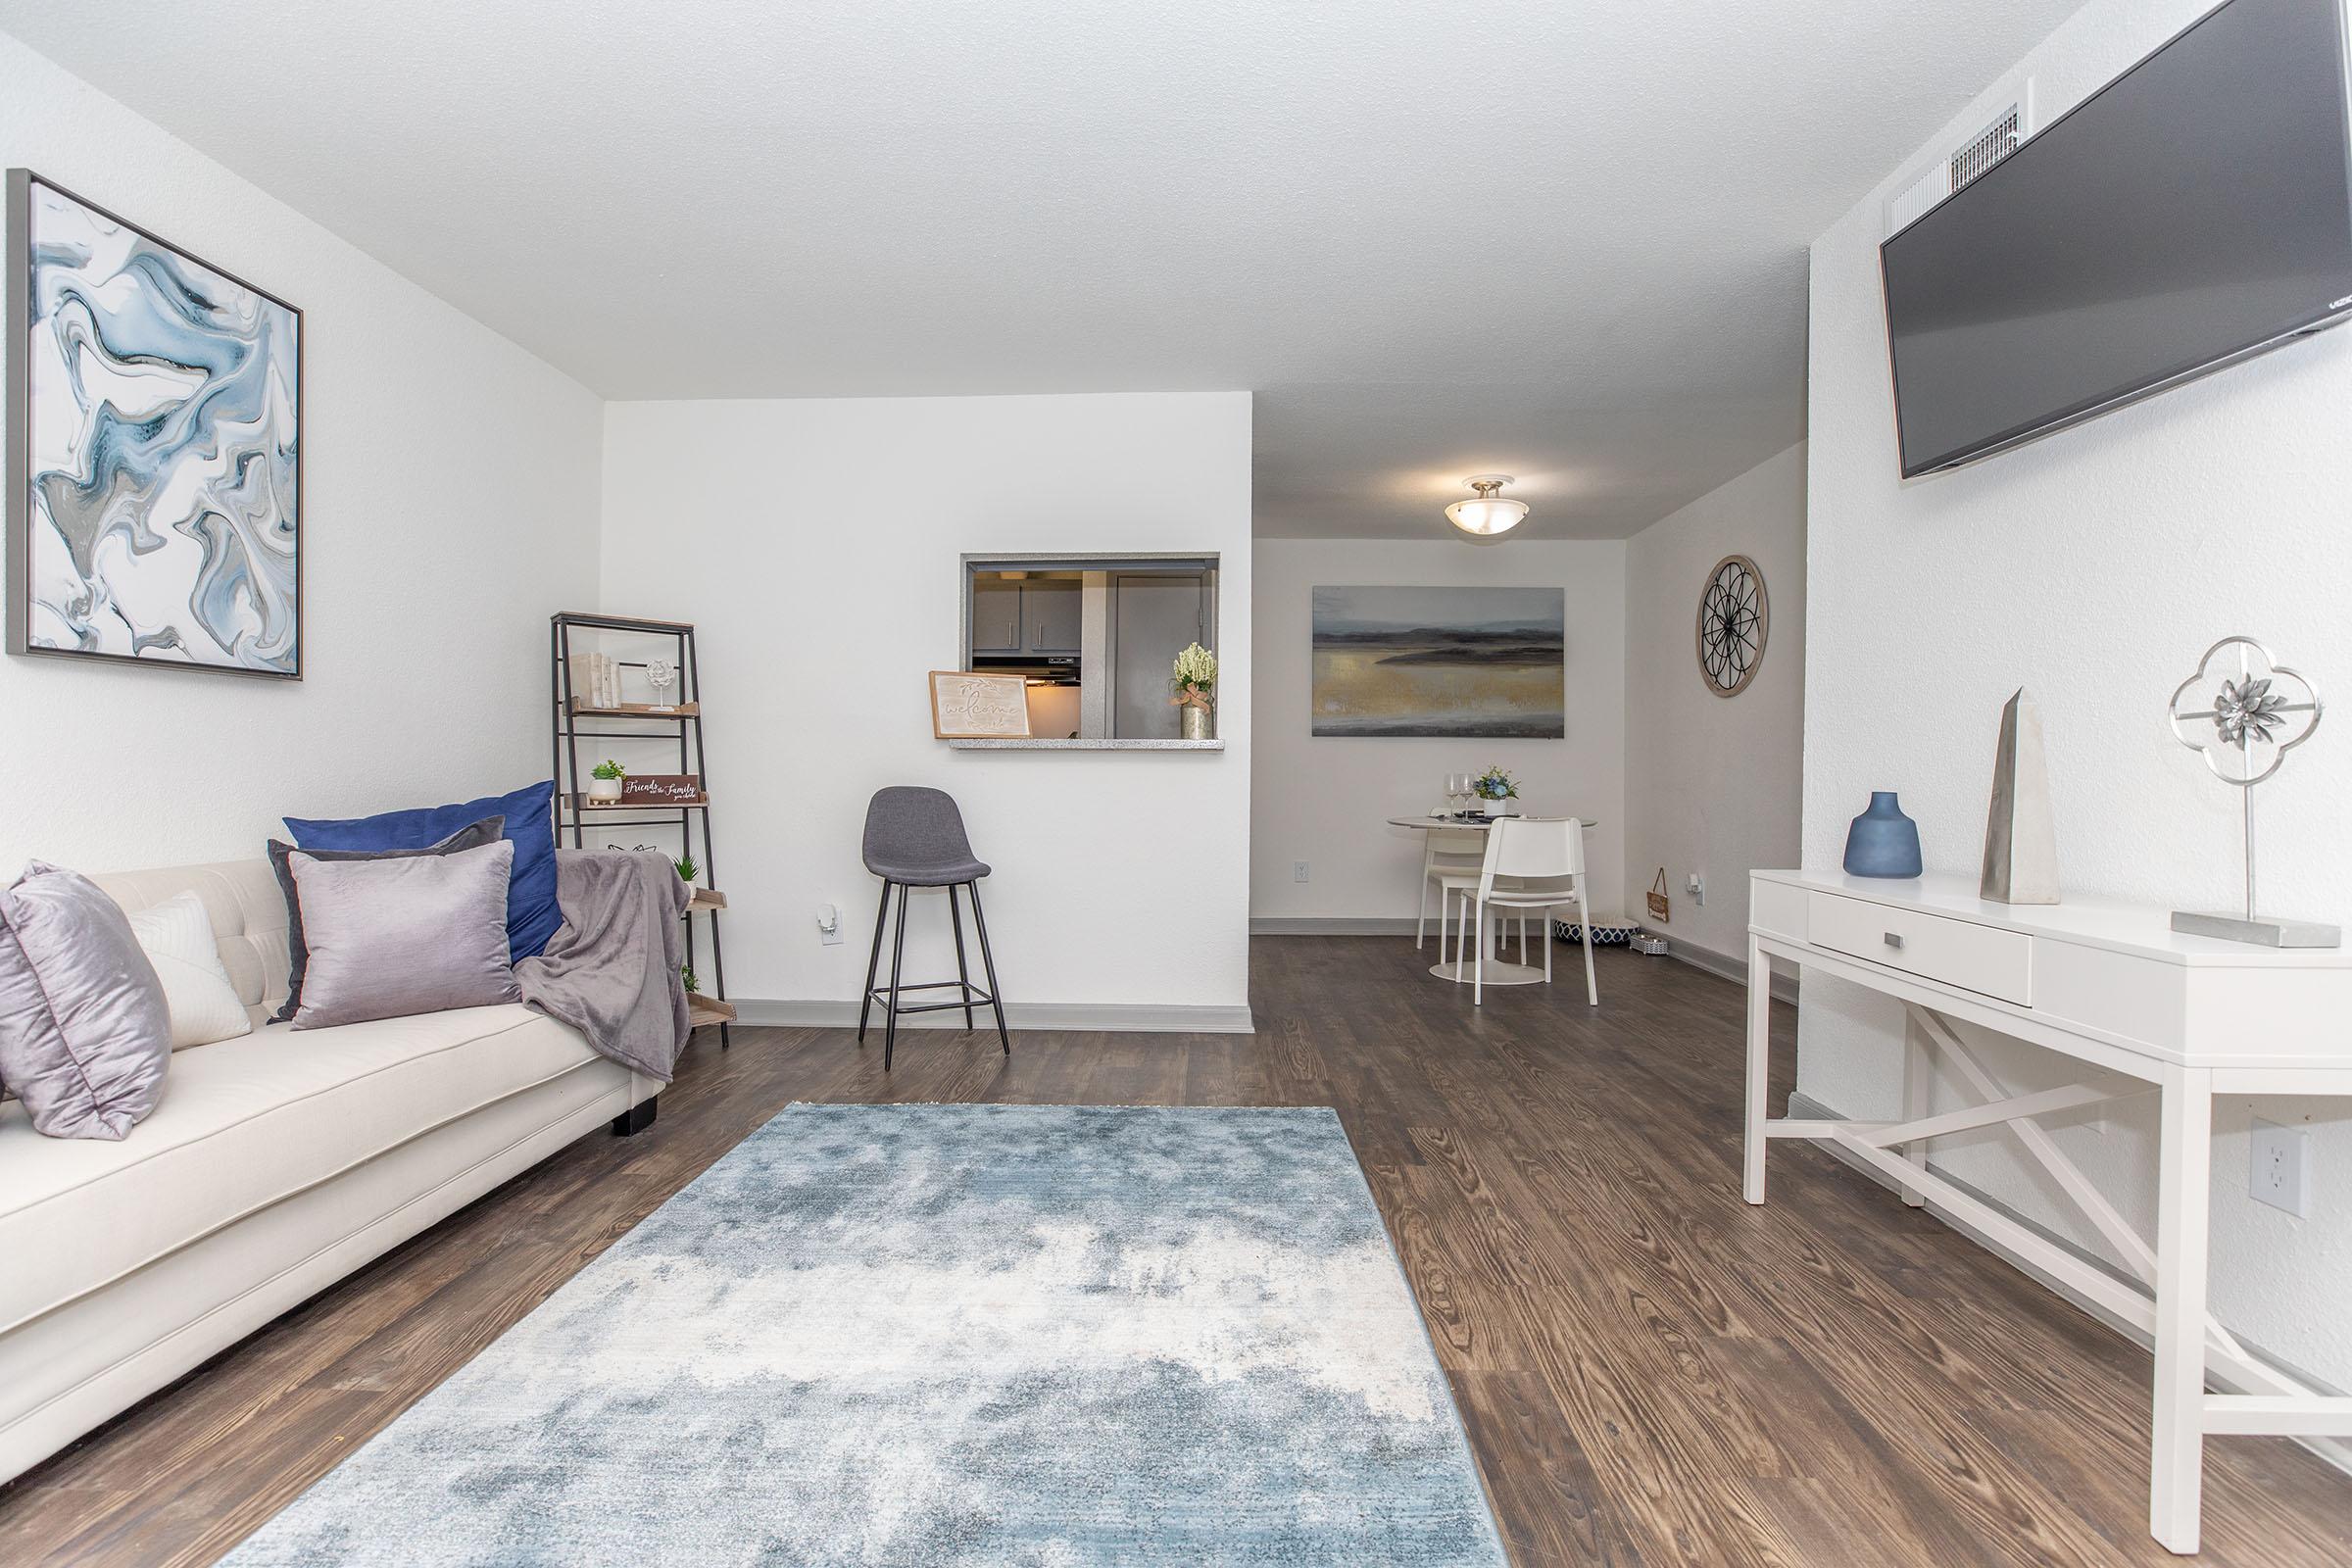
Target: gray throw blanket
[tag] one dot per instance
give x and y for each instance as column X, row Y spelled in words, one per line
column 611, row 970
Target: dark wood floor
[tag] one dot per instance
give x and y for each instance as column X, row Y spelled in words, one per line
column 1650, row 1370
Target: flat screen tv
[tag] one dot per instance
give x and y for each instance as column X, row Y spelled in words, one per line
column 2197, row 210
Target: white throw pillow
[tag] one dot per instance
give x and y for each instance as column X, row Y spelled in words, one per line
column 178, row 938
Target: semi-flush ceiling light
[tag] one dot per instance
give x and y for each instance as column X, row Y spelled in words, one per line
column 1490, row 514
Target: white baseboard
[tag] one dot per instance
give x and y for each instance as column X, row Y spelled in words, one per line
column 1334, row 925
column 1724, row 967
column 2337, row 1452
column 1173, row 1018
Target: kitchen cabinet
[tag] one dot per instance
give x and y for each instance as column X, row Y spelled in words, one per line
column 1050, row 615
column 996, row 617
column 1026, row 615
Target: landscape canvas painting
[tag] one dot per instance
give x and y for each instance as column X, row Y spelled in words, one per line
column 154, row 506
column 1445, row 662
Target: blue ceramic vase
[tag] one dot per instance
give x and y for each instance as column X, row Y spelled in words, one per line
column 1883, row 840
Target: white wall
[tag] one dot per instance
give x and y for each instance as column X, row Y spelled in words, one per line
column 450, row 491
column 815, row 542
column 2094, row 566
column 1326, row 800
column 1713, row 784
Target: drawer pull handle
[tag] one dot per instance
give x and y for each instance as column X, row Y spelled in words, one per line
column 1894, row 942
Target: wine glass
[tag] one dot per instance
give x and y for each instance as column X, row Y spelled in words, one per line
column 1457, row 790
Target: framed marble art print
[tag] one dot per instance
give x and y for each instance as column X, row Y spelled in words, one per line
column 153, row 424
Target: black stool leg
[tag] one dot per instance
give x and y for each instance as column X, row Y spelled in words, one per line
column 963, row 977
column 988, row 963
column 889, row 1012
column 873, row 961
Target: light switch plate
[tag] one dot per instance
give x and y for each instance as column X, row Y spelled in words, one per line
column 2282, row 1167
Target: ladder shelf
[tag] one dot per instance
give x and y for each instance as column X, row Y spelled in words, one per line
column 576, row 720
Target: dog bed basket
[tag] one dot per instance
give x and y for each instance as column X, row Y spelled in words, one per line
column 1608, row 931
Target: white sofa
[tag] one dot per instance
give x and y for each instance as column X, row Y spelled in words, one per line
column 276, row 1163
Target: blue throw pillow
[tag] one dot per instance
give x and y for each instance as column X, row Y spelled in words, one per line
column 530, row 812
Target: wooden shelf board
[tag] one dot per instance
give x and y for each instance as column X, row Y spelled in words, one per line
column 706, row 899
column 641, row 806
column 595, row 619
column 581, row 709
column 701, row 1010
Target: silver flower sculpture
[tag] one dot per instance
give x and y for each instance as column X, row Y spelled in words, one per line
column 2248, row 708
column 2245, row 710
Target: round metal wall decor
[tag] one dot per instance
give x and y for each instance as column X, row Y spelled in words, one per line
column 1733, row 618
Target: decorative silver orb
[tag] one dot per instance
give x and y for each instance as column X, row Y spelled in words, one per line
column 660, row 674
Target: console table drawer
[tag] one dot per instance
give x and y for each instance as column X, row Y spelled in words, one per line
column 1957, row 953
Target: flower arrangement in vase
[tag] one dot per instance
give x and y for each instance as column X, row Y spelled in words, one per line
column 603, row 780
column 1496, row 791
column 1195, row 683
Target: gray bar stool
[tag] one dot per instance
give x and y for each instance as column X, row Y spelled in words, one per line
column 915, row 839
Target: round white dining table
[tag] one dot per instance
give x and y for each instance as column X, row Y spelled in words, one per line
column 1460, row 971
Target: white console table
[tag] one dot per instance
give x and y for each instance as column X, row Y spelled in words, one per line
column 2113, row 987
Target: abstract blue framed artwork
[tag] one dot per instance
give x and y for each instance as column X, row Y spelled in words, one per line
column 155, row 464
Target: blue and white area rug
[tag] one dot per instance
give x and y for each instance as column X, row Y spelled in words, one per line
column 949, row 1335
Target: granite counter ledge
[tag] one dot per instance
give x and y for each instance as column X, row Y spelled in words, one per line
column 1096, row 745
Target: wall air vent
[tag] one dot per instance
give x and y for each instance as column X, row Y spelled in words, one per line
column 2004, row 135
column 1994, row 143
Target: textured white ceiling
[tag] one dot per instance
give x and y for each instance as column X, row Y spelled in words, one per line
column 1563, row 240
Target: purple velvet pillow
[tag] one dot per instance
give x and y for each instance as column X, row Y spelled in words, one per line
column 390, row 938
column 489, row 830
column 85, row 1034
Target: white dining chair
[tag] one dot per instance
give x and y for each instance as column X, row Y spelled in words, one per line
column 1532, row 865
column 1444, row 851
column 1461, row 853
column 1468, row 878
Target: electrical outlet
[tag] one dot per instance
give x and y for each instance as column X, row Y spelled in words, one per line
column 2282, row 1173
column 828, row 924
column 1298, row 870
column 1696, row 887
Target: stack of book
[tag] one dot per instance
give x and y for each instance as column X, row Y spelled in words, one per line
column 595, row 681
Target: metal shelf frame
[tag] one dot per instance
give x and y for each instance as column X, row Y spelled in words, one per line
column 685, row 727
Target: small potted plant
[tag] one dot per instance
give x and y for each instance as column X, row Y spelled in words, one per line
column 688, row 871
column 604, row 782
column 1498, row 792
column 1195, row 683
